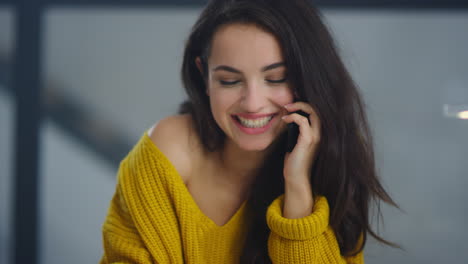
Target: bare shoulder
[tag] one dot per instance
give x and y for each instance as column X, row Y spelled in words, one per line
column 175, row 138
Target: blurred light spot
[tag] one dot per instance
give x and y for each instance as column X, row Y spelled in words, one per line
column 463, row 115
column 456, row 111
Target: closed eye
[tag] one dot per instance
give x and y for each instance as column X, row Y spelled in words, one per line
column 277, row 81
column 227, row 83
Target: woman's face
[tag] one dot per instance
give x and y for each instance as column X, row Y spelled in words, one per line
column 247, row 85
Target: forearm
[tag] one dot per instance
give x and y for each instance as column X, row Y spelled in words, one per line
column 298, row 199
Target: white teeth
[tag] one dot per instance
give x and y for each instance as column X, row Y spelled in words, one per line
column 255, row 123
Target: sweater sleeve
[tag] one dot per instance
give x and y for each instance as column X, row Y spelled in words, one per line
column 305, row 240
column 121, row 241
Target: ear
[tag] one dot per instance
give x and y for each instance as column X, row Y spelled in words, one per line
column 198, row 62
column 199, row 65
column 296, row 95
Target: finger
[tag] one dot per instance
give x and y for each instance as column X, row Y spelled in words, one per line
column 305, row 130
column 296, row 118
column 310, row 133
column 305, row 107
column 293, row 107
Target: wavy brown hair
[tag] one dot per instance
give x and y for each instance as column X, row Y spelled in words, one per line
column 344, row 170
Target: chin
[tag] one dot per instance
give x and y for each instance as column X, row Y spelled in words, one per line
column 257, row 145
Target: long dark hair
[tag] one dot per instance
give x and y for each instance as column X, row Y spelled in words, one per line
column 344, row 170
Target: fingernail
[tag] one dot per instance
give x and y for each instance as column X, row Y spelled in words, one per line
column 288, row 105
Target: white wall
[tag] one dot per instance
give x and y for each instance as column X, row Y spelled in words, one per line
column 76, row 189
column 405, row 64
column 120, row 59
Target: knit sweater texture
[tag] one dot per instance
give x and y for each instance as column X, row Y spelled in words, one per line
column 154, row 219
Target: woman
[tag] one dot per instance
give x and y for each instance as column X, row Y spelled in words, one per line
column 215, row 184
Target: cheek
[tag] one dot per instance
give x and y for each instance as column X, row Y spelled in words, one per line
column 284, row 96
column 220, row 102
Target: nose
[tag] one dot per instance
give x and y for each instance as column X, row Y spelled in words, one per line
column 253, row 97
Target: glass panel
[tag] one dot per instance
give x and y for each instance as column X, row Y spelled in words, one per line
column 7, row 115
column 409, row 65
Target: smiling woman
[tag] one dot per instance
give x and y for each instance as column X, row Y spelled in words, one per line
column 215, row 184
column 246, row 86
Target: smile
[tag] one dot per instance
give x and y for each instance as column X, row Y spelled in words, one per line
column 253, row 124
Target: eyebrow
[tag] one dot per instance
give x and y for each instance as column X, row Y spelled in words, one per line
column 234, row 70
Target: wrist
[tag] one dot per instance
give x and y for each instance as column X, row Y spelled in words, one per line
column 298, row 200
column 299, row 184
column 298, row 191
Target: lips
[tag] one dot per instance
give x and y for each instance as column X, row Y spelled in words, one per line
column 254, row 116
column 253, row 123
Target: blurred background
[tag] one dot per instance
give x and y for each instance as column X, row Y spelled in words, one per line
column 81, row 80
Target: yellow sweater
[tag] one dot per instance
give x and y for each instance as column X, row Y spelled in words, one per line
column 154, row 219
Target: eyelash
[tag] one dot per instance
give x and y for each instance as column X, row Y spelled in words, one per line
column 225, row 83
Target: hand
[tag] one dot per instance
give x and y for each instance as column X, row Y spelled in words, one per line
column 298, row 163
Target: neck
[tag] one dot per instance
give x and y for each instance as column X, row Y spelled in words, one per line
column 242, row 165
